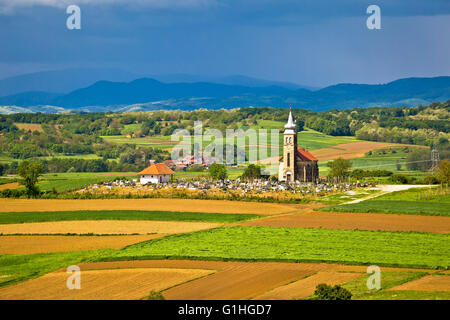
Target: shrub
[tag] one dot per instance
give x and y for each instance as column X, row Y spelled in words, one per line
column 326, row 292
column 400, row 179
column 155, row 295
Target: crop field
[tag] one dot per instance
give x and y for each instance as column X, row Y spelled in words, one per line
column 179, row 205
column 351, row 150
column 49, row 244
column 27, row 217
column 120, row 284
column 414, row 201
column 305, row 287
column 427, row 283
column 29, row 126
column 296, row 244
column 360, row 221
column 252, row 280
column 397, row 207
column 104, row 227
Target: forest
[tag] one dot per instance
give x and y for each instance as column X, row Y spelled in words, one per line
column 82, row 137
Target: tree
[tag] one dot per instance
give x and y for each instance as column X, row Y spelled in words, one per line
column 218, row 171
column 252, row 172
column 155, row 295
column 2, row 169
column 398, row 165
column 339, row 168
column 30, row 172
column 326, row 292
column 443, row 171
column 299, row 125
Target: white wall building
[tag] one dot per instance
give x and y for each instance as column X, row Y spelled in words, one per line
column 156, row 173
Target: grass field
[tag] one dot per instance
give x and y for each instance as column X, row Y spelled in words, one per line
column 27, row 217
column 398, row 207
column 296, row 244
column 17, row 268
column 414, row 201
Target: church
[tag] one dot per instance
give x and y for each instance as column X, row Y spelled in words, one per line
column 296, row 164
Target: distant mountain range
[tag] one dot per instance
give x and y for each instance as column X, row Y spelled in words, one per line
column 151, row 94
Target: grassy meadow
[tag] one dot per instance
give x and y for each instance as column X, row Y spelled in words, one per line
column 29, row 217
column 433, row 202
column 382, row 248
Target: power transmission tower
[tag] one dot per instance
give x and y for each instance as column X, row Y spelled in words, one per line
column 434, row 158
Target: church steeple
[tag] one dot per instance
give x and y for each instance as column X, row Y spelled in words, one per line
column 290, row 125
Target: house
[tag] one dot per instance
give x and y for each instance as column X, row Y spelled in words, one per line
column 156, row 173
column 296, row 164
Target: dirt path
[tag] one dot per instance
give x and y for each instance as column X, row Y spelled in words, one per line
column 387, row 188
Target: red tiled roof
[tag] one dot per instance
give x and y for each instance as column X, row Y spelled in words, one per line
column 157, row 168
column 305, row 155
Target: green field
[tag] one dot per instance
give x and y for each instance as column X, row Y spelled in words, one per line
column 402, row 249
column 18, row 268
column 389, row 280
column 414, row 201
column 27, row 217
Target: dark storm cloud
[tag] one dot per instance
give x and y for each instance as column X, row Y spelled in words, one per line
column 310, row 42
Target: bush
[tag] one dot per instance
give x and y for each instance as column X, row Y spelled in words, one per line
column 399, row 179
column 326, row 292
column 155, row 295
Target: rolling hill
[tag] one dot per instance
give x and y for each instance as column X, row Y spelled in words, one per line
column 149, row 94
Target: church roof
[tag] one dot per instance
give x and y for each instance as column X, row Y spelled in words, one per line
column 157, row 168
column 306, row 155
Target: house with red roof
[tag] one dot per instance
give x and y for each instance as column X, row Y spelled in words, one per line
column 156, row 173
column 296, row 164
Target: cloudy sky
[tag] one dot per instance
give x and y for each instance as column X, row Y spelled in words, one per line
column 310, row 42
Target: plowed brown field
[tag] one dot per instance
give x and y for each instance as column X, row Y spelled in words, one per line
column 13, row 185
column 233, row 280
column 47, row 244
column 105, row 227
column 351, row 150
column 182, row 205
column 239, row 280
column 120, row 284
column 305, row 287
column 427, row 283
column 362, row 221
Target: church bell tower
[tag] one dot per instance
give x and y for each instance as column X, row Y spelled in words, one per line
column 289, row 150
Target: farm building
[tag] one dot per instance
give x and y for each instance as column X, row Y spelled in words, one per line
column 296, row 164
column 156, row 173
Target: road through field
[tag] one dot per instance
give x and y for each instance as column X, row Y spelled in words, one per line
column 182, row 205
